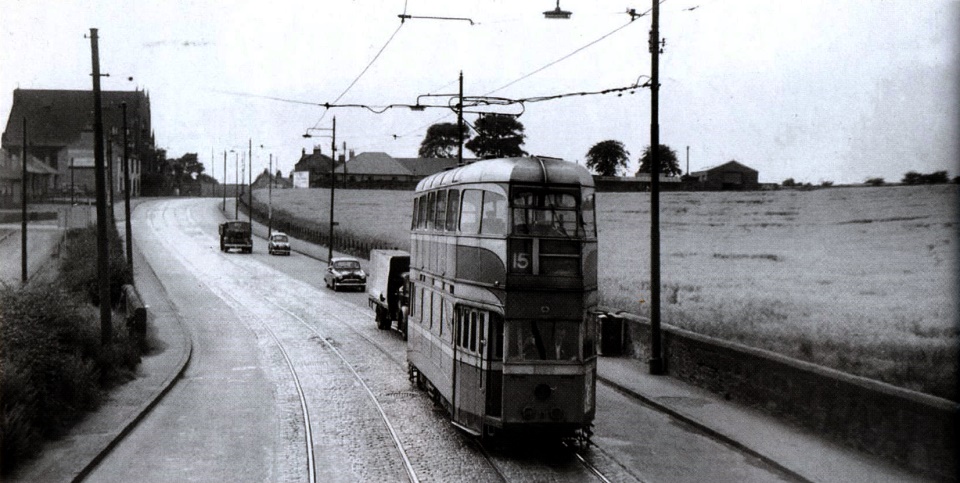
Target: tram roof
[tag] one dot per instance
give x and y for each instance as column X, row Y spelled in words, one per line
column 532, row 169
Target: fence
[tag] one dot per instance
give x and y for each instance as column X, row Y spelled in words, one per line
column 314, row 232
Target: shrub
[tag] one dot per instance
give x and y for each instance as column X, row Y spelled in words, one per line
column 53, row 367
column 79, row 268
column 875, row 181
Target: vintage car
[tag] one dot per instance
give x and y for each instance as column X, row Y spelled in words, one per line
column 345, row 272
column 278, row 244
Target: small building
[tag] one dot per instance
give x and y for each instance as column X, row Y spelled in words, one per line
column 317, row 166
column 39, row 179
column 264, row 179
column 728, row 176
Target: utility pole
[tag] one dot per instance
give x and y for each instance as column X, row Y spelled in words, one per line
column 126, row 188
column 460, row 123
column 250, row 184
column 23, row 207
column 688, row 160
column 110, row 173
column 333, row 176
column 224, row 208
column 656, row 358
column 270, row 198
column 73, row 197
column 236, row 186
column 103, row 252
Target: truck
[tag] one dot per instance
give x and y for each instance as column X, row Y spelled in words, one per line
column 387, row 288
column 236, row 234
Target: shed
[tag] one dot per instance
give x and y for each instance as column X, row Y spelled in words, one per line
column 728, row 176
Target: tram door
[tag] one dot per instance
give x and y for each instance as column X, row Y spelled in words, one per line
column 470, row 385
column 493, row 355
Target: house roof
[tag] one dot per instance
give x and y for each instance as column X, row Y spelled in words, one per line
column 724, row 166
column 57, row 117
column 375, row 163
column 314, row 161
column 10, row 167
column 427, row 166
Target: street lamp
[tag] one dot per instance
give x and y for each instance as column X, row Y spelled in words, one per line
column 236, row 184
column 333, row 176
column 557, row 13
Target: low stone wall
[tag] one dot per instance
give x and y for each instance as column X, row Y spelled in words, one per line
column 916, row 430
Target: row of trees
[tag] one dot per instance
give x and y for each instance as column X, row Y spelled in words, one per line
column 500, row 136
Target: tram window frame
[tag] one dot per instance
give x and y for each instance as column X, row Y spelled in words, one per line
column 543, row 336
column 453, row 209
column 422, row 220
column 415, row 218
column 497, row 205
column 473, row 331
column 470, row 220
column 539, row 211
column 421, row 305
column 588, row 205
column 439, row 222
column 431, row 209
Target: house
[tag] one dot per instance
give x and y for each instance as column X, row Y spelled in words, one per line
column 11, row 178
column 728, row 176
column 317, row 166
column 60, row 132
column 378, row 168
column 263, row 182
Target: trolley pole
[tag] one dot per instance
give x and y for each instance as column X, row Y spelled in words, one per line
column 656, row 358
column 333, row 177
column 103, row 252
column 126, row 188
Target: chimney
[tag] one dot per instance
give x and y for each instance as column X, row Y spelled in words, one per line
column 303, row 152
column 352, row 154
column 316, row 151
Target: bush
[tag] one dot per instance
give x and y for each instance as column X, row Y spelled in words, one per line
column 53, row 367
column 875, row 181
column 79, row 269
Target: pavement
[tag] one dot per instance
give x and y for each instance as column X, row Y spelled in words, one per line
column 795, row 451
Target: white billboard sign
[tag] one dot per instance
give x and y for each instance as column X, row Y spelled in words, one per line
column 301, row 179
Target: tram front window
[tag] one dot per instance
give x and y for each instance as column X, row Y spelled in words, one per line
column 544, row 213
column 543, row 340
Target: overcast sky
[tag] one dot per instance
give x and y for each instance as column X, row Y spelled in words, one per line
column 837, row 90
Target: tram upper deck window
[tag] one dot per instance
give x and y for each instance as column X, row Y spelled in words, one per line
column 545, row 212
column 494, row 221
column 589, row 214
column 441, row 210
column 543, row 340
column 470, row 211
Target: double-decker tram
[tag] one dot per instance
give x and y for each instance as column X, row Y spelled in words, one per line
column 503, row 283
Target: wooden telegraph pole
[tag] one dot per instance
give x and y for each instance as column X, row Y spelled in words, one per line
column 103, row 253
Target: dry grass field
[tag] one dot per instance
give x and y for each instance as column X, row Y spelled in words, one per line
column 863, row 280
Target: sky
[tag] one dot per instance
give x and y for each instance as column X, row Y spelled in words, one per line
column 815, row 90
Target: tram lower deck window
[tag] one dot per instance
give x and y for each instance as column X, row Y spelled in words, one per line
column 543, row 340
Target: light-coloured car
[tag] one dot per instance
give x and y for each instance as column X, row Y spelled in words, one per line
column 345, row 272
column 279, row 244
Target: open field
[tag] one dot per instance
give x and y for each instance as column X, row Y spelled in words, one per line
column 863, row 280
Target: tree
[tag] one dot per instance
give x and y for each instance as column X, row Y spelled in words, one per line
column 789, row 182
column 875, row 181
column 667, row 158
column 498, row 136
column 607, row 157
column 441, row 141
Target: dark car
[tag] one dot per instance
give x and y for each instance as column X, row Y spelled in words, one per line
column 279, row 244
column 345, row 272
column 236, row 234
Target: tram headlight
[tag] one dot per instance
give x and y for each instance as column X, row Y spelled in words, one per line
column 542, row 392
column 528, row 413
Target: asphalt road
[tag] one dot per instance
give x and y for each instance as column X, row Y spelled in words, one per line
column 292, row 382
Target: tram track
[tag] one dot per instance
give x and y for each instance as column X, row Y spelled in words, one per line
column 350, row 310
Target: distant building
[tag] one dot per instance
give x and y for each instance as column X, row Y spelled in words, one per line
column 263, row 182
column 38, row 183
column 316, row 164
column 376, row 166
column 728, row 176
column 60, row 132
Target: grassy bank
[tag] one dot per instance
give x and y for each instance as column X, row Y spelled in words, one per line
column 53, row 368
